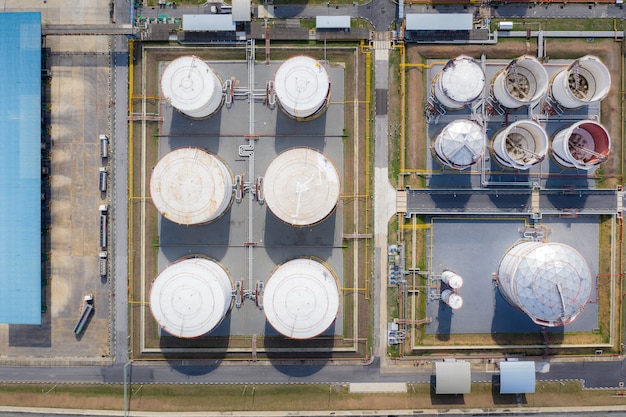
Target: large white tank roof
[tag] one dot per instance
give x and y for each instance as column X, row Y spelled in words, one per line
column 524, row 81
column 521, row 145
column 301, row 186
column 191, row 297
column 302, row 86
column 191, row 186
column 583, row 145
column 585, row 81
column 550, row 282
column 301, row 298
column 460, row 82
column 460, row 144
column 192, row 87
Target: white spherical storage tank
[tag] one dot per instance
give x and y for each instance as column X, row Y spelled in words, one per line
column 191, row 186
column 454, row 280
column 521, row 145
column 301, row 186
column 583, row 145
column 191, row 297
column 301, row 298
column 459, row 82
column 524, row 81
column 452, row 299
column 192, row 87
column 550, row 282
column 460, row 144
column 585, row 81
column 302, row 87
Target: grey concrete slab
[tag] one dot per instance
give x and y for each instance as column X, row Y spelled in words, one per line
column 275, row 242
column 473, row 249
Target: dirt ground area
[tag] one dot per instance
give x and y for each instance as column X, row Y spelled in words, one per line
column 607, row 50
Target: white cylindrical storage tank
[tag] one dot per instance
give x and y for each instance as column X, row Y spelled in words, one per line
column 454, row 281
column 301, row 298
column 521, row 145
column 524, row 81
column 192, row 87
column 452, row 299
column 585, row 81
column 583, row 145
column 301, row 186
column 460, row 144
column 302, row 87
column 191, row 186
column 191, row 297
column 460, row 81
column 550, row 282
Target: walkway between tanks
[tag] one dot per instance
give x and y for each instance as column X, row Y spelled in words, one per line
column 384, row 193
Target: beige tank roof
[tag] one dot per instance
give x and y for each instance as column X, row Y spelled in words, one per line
column 302, row 86
column 301, row 186
column 301, row 298
column 191, row 297
column 191, row 186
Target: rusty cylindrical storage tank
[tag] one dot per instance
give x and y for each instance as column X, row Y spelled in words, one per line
column 192, row 87
column 521, row 145
column 460, row 81
column 191, row 186
column 583, row 145
column 301, row 186
column 302, row 87
column 524, row 81
column 585, row 81
column 460, row 144
column 301, row 298
column 191, row 297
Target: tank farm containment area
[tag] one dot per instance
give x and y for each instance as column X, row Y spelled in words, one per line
column 531, row 179
column 222, row 203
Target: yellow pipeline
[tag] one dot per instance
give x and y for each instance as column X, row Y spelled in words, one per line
column 424, row 65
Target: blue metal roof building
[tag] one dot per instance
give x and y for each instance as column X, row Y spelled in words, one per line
column 517, row 377
column 20, row 168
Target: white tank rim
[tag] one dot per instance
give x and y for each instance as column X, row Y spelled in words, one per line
column 459, row 82
column 301, row 298
column 460, row 144
column 532, row 129
column 539, row 277
column 534, row 72
column 191, row 297
column 191, row 86
column 191, row 186
column 596, row 73
column 301, row 186
column 562, row 155
column 302, row 86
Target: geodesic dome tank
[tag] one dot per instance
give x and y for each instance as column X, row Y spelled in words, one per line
column 583, row 145
column 521, row 145
column 301, row 186
column 191, row 186
column 301, row 298
column 192, row 87
column 550, row 282
column 191, row 297
column 524, row 81
column 460, row 81
column 585, row 81
column 302, row 87
column 460, row 144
